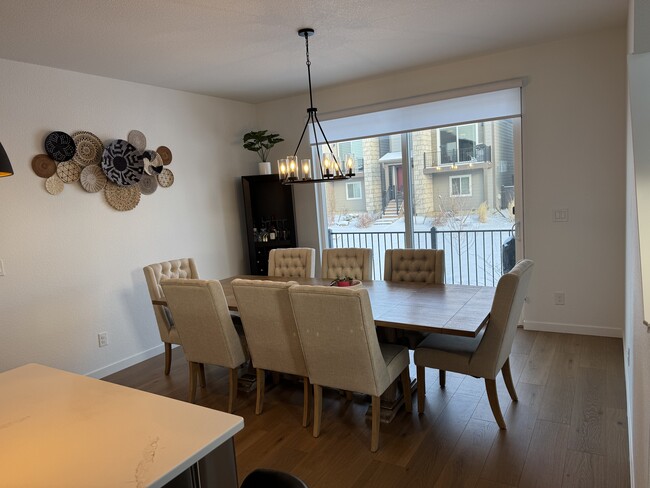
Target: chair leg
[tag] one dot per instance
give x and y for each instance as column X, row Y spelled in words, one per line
column 305, row 401
column 168, row 358
column 202, row 375
column 193, row 372
column 406, row 386
column 443, row 378
column 376, row 414
column 421, row 388
column 507, row 377
column 259, row 404
column 491, row 387
column 318, row 408
column 232, row 394
column 348, row 396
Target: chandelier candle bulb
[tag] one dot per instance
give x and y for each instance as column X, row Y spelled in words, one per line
column 326, row 164
column 349, row 164
column 306, row 168
column 282, row 169
column 292, row 167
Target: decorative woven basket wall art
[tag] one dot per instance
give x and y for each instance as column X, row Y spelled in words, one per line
column 89, row 148
column 124, row 169
column 93, row 178
column 122, row 198
column 43, row 165
column 54, row 185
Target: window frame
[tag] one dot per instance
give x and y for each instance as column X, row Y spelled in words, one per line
column 456, row 127
column 460, row 186
column 353, row 184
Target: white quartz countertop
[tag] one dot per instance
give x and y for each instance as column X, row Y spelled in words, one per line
column 60, row 429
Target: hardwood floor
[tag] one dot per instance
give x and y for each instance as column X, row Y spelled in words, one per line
column 569, row 428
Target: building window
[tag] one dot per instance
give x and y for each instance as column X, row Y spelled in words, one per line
column 353, row 190
column 460, row 186
column 458, row 144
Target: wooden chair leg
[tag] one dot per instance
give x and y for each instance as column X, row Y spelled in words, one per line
column 443, row 378
column 376, row 414
column 193, row 372
column 232, row 394
column 202, row 375
column 406, row 386
column 305, row 401
column 168, row 358
column 507, row 377
column 318, row 408
column 421, row 388
column 259, row 404
column 491, row 387
column 348, row 396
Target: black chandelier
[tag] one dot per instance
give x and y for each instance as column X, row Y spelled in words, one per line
column 327, row 166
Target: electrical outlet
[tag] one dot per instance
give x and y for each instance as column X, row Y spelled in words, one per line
column 102, row 338
column 558, row 298
column 560, row 215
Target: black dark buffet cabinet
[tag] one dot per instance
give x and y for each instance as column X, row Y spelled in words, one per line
column 270, row 221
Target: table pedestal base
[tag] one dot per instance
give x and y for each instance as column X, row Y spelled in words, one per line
column 391, row 401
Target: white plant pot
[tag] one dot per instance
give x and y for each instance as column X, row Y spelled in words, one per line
column 264, row 168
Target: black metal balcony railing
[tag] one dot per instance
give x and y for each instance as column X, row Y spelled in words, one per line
column 472, row 257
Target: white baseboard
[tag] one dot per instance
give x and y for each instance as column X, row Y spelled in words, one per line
column 573, row 329
column 126, row 362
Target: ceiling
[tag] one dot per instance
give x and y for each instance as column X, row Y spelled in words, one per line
column 249, row 50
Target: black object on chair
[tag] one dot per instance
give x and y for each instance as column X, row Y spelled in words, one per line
column 269, row 478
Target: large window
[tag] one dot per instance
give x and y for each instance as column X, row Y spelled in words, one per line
column 448, row 186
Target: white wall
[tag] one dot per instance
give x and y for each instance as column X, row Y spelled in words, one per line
column 73, row 264
column 573, row 157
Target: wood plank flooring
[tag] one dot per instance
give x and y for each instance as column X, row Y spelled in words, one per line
column 569, row 428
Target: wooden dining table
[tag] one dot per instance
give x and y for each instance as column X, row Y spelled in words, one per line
column 425, row 307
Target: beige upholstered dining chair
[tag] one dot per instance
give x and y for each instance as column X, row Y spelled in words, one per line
column 353, row 262
column 339, row 341
column 205, row 328
column 414, row 265
column 271, row 332
column 177, row 268
column 293, row 262
column 488, row 353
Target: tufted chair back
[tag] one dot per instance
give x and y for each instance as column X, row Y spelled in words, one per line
column 415, row 265
column 177, row 268
column 294, row 262
column 351, row 261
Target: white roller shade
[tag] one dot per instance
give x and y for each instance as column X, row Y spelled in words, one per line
column 499, row 104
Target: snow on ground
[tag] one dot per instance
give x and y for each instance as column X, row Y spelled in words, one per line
column 495, row 221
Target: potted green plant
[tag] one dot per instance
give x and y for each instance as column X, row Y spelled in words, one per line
column 261, row 142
